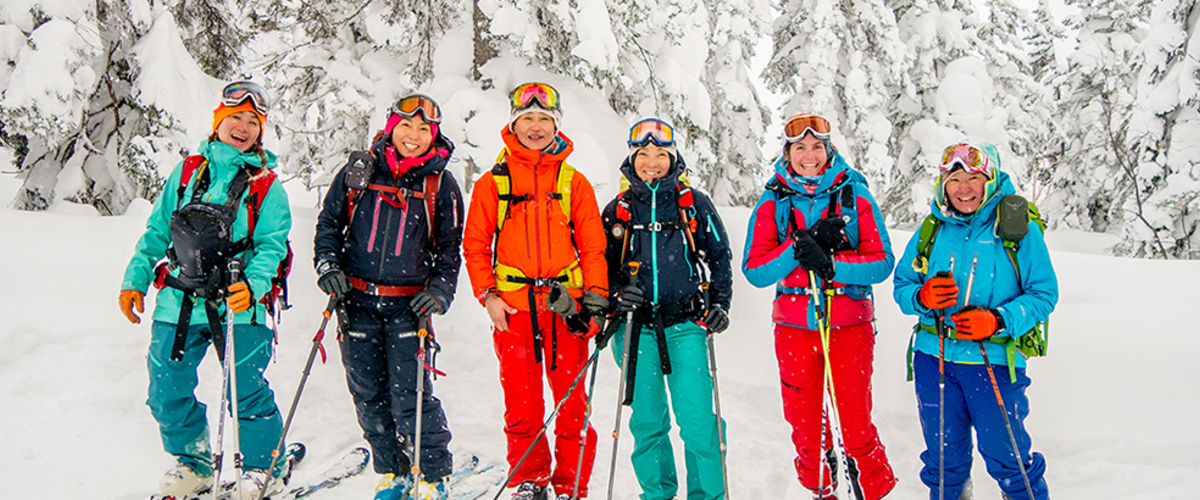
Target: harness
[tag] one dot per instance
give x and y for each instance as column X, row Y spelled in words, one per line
column 202, row 232
column 510, row 278
column 1013, row 214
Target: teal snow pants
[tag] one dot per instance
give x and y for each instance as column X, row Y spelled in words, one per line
column 690, row 383
column 182, row 419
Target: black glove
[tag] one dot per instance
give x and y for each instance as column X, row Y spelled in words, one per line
column 716, row 319
column 609, row 330
column 428, row 302
column 630, row 299
column 331, row 280
column 830, row 234
column 559, row 300
column 812, row 257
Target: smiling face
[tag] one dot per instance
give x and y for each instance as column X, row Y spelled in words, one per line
column 965, row 190
column 534, row 130
column 651, row 162
column 807, row 157
column 240, row 130
column 412, row 137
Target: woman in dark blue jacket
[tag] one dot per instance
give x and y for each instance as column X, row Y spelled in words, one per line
column 982, row 297
column 388, row 241
column 684, row 285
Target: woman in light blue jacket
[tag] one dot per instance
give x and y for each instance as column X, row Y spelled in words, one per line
column 967, row 277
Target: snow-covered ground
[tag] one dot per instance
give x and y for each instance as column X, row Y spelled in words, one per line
column 1114, row 405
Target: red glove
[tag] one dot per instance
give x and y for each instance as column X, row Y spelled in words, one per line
column 976, row 323
column 239, row 299
column 939, row 292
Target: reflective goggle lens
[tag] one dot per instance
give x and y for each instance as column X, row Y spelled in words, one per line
column 968, row 157
column 237, row 93
column 412, row 104
column 524, row 95
column 651, row 129
column 805, row 123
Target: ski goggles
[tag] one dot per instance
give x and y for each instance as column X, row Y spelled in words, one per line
column 526, row 94
column 238, row 92
column 412, row 104
column 967, row 157
column 651, row 130
column 806, row 123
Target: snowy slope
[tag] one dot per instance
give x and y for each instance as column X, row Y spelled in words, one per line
column 1114, row 406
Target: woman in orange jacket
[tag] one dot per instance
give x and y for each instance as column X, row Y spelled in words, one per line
column 541, row 218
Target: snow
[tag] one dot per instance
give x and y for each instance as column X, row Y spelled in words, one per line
column 1114, row 406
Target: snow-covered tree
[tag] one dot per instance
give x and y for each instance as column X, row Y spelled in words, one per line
column 74, row 107
column 1167, row 118
column 844, row 60
column 210, row 35
column 1097, row 91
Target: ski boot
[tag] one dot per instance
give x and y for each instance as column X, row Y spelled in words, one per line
column 253, row 481
column 181, row 481
column 530, row 491
column 437, row 490
column 394, row 487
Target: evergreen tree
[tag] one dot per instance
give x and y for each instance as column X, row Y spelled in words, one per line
column 71, row 106
column 1167, row 117
column 210, row 35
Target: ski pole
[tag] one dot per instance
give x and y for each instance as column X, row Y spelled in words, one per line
column 546, row 424
column 941, row 332
column 228, row 380
column 616, row 434
column 583, row 435
column 418, row 478
column 996, row 388
column 712, row 361
column 287, row 424
column 851, row 467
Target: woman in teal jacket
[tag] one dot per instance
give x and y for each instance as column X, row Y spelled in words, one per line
column 235, row 146
column 983, row 299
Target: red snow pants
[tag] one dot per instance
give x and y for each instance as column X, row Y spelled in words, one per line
column 525, row 408
column 801, row 373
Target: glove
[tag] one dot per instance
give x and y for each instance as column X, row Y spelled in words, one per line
column 594, row 303
column 128, row 300
column 812, row 257
column 428, row 302
column 559, row 300
column 630, row 299
column 606, row 333
column 239, row 298
column 331, row 280
column 976, row 323
column 716, row 319
column 939, row 292
column 830, row 234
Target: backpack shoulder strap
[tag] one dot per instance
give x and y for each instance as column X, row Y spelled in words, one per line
column 432, row 185
column 562, row 188
column 260, row 184
column 504, row 195
column 925, row 236
column 191, row 165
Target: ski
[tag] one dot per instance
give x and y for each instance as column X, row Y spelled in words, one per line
column 349, row 465
column 471, row 482
column 292, row 455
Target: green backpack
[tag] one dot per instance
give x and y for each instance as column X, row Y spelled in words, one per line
column 1012, row 223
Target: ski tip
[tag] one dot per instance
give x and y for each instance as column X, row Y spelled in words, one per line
column 296, row 451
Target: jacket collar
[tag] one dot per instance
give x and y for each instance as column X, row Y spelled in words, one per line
column 516, row 154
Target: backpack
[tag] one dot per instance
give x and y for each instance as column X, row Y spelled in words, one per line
column 503, row 180
column 686, row 221
column 361, row 169
column 1013, row 215
column 203, row 233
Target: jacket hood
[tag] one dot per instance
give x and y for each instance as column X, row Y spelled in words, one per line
column 837, row 173
column 639, row 187
column 998, row 187
column 558, row 151
column 435, row 164
column 223, row 154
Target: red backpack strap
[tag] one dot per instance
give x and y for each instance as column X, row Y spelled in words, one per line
column 432, row 185
column 260, row 184
column 191, row 164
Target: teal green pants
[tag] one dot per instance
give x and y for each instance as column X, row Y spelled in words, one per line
column 690, row 383
column 182, row 419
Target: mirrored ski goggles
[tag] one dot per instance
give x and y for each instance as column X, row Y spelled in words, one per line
column 238, row 92
column 525, row 94
column 967, row 157
column 651, row 130
column 806, row 123
column 412, row 104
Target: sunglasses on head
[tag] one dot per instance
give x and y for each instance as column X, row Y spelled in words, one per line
column 651, row 130
column 238, row 92
column 526, row 94
column 967, row 157
column 412, row 104
column 806, row 123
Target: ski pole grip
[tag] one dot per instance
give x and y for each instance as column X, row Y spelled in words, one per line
column 235, row 271
column 634, row 267
column 943, row 274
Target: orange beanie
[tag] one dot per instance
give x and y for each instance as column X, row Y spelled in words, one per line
column 222, row 112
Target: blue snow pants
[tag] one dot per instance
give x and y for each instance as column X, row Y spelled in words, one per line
column 971, row 403
column 182, row 419
column 691, row 387
column 379, row 352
